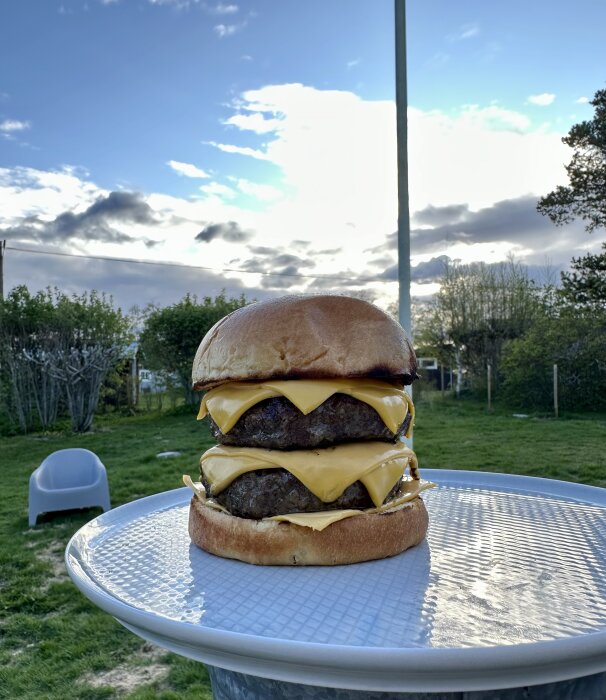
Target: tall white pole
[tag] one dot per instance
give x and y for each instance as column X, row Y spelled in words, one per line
column 2, row 247
column 404, row 312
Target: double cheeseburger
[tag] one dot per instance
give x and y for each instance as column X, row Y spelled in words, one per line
column 305, row 397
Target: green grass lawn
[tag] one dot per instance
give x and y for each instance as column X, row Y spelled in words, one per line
column 463, row 435
column 55, row 644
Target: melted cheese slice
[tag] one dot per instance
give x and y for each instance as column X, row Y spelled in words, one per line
column 228, row 402
column 409, row 490
column 326, row 472
column 316, row 521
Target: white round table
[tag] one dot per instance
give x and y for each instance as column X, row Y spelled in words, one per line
column 508, row 591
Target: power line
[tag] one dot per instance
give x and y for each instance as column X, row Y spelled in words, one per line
column 198, row 267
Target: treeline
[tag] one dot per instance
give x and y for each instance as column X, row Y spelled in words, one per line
column 495, row 315
column 63, row 358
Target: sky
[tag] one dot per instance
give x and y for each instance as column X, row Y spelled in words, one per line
column 153, row 148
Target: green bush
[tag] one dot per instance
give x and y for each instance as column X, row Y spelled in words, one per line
column 576, row 342
column 55, row 353
column 172, row 334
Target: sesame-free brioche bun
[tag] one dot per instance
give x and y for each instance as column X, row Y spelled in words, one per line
column 304, row 337
column 356, row 539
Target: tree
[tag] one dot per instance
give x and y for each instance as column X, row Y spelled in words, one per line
column 478, row 309
column 171, row 335
column 585, row 285
column 585, row 196
column 57, row 349
column 572, row 338
column 30, row 395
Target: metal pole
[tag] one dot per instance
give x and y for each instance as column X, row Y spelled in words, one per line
column 404, row 312
column 489, row 385
column 555, row 391
column 2, row 247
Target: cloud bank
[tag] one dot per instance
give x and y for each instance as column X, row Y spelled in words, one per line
column 325, row 215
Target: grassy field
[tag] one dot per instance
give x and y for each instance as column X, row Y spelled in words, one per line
column 55, row 644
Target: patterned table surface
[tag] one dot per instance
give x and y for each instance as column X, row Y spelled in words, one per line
column 512, row 575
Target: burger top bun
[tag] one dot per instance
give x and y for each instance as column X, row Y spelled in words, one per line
column 304, row 337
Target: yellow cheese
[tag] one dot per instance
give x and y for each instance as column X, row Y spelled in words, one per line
column 198, row 488
column 326, row 472
column 318, row 521
column 409, row 490
column 200, row 492
column 228, row 402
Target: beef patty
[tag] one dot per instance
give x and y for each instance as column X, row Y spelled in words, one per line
column 279, row 425
column 265, row 492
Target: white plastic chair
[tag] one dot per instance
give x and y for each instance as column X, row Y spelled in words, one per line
column 66, row 479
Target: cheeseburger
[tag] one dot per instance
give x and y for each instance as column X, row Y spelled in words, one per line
column 305, row 397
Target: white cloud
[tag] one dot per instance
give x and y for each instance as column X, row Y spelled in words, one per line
column 216, row 189
column 582, row 100
column 467, row 31
column 254, row 122
column 225, row 30
column 334, row 147
column 353, row 63
column 468, row 158
column 494, row 117
column 11, row 125
column 224, row 9
column 266, row 193
column 542, row 100
column 336, row 157
column 242, row 150
column 30, row 192
column 187, row 169
column 178, row 4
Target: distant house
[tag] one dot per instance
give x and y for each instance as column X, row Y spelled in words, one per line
column 432, row 372
column 151, row 382
column 427, row 363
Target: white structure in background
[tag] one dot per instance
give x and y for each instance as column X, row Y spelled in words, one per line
column 427, row 363
column 151, row 382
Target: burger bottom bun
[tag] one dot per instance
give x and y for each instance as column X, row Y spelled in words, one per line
column 270, row 542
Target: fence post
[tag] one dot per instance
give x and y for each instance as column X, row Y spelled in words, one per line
column 489, row 385
column 555, row 391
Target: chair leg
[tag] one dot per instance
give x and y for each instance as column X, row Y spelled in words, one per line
column 105, row 502
column 32, row 519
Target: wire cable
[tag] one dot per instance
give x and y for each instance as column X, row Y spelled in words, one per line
column 200, row 267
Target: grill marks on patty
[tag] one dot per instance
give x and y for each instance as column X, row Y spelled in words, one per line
column 276, row 424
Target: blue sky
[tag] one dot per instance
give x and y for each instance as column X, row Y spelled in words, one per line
column 258, row 136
